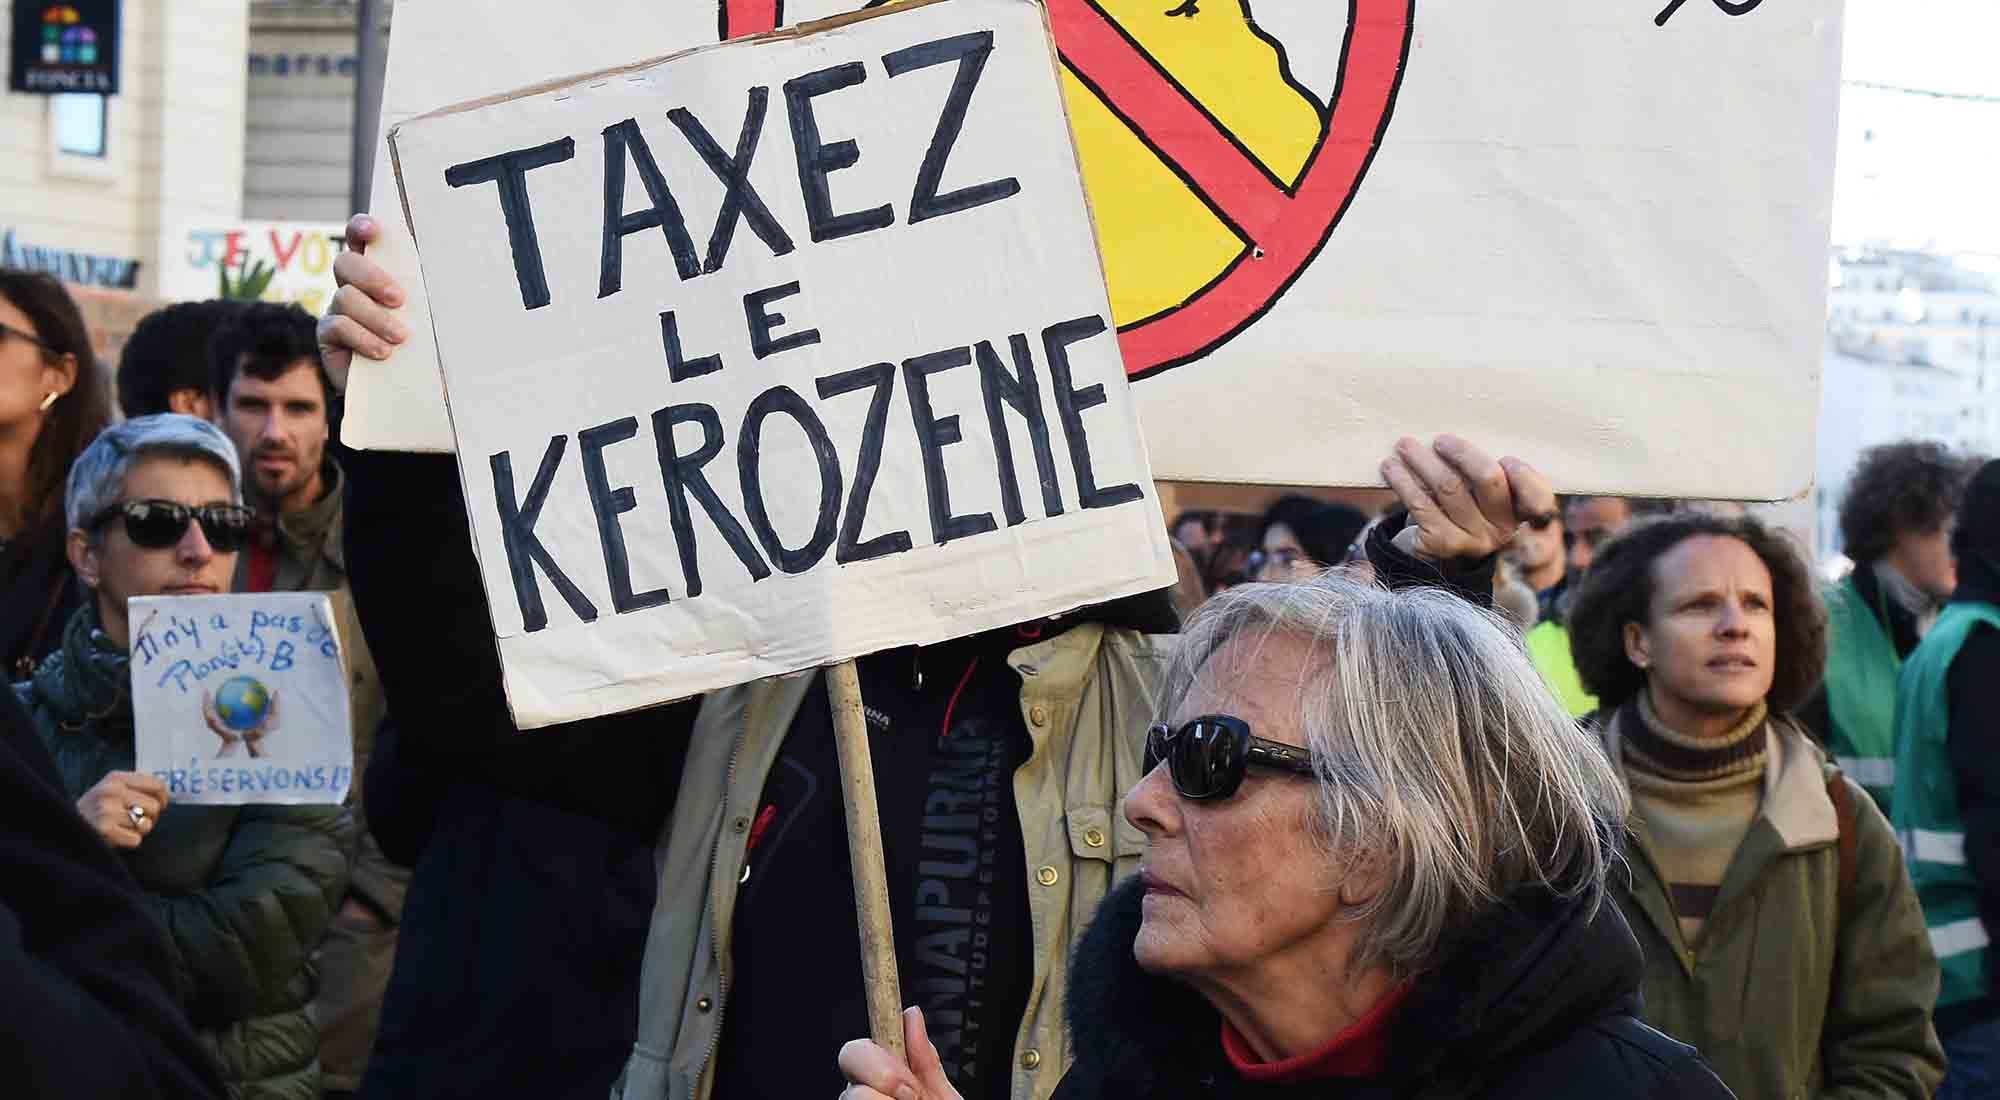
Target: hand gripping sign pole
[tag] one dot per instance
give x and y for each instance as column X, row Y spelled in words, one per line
column 864, row 854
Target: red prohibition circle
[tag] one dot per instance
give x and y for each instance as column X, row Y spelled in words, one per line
column 1283, row 228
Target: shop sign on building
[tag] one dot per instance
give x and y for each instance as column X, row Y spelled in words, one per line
column 69, row 265
column 62, row 46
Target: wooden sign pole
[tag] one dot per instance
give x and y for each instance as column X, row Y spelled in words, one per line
column 864, row 854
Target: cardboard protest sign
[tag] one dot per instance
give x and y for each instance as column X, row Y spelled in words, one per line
column 281, row 261
column 243, row 698
column 776, row 353
column 1595, row 236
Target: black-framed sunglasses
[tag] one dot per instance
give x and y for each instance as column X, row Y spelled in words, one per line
column 1207, row 756
column 158, row 524
column 1541, row 522
column 20, row 334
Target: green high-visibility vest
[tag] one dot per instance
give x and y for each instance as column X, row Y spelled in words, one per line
column 1548, row 650
column 1861, row 669
column 1927, row 815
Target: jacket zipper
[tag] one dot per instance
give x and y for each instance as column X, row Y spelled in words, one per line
column 715, row 904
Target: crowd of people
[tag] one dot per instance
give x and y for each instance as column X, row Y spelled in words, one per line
column 1495, row 794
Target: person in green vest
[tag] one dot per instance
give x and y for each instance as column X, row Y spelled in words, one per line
column 1548, row 651
column 1948, row 793
column 1781, row 933
column 1895, row 523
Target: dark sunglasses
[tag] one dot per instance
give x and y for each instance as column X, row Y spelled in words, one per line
column 1541, row 522
column 18, row 334
column 158, row 524
column 1207, row 757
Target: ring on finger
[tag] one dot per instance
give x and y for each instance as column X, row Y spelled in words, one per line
column 136, row 814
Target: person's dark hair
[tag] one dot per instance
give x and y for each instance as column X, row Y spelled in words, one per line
column 1287, row 510
column 1619, row 590
column 77, row 416
column 264, row 339
column 1911, row 486
column 1327, row 532
column 1228, row 565
column 168, row 352
column 1978, row 533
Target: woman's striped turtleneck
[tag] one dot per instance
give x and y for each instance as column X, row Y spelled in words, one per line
column 1697, row 797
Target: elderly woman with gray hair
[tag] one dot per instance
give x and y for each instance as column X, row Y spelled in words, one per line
column 1377, row 861
column 242, row 894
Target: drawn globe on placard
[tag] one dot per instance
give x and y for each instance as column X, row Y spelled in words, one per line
column 242, row 703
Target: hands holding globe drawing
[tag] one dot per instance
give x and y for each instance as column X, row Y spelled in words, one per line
column 243, row 711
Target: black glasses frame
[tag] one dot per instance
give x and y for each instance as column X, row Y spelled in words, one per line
column 1207, row 756
column 225, row 526
column 22, row 334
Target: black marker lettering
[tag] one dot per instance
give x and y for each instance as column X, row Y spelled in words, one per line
column 734, row 172
column 682, row 475
column 874, row 429
column 622, row 141
column 1729, row 7
column 970, row 51
column 749, row 470
column 762, row 322
column 1022, row 392
column 934, row 434
column 1071, row 404
column 510, row 172
column 679, row 367
column 817, row 160
column 609, row 504
column 524, row 550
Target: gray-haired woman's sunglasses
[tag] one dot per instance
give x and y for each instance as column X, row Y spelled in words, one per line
column 1207, row 756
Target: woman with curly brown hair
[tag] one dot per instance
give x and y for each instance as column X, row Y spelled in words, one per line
column 1781, row 933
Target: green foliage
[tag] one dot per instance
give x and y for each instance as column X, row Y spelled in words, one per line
column 249, row 286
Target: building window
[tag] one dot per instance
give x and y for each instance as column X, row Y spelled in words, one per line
column 78, row 122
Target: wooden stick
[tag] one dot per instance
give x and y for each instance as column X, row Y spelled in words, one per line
column 864, row 854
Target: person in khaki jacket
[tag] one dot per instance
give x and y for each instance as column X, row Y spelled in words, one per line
column 272, row 398
column 1782, row 935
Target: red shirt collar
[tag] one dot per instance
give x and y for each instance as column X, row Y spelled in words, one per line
column 1361, row 1050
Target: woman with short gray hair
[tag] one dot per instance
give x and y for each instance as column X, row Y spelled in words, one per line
column 1377, row 859
column 241, row 893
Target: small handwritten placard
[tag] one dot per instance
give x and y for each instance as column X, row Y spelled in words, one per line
column 243, row 698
